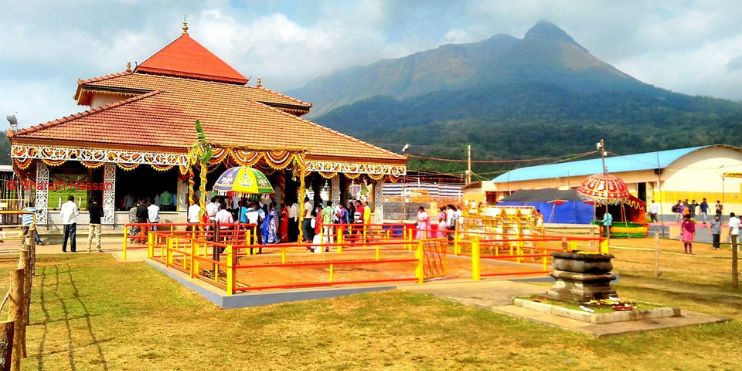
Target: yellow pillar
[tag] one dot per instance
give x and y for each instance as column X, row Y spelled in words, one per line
column 126, row 241
column 194, row 261
column 544, row 260
column 230, row 270
column 302, row 195
column 168, row 253
column 456, row 246
column 476, row 268
column 604, row 246
column 332, row 272
column 341, row 239
column 419, row 270
column 150, row 245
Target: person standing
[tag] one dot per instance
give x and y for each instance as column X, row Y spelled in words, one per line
column 307, row 223
column 693, row 208
column 719, row 208
column 193, row 212
column 422, row 224
column 212, row 208
column 716, row 232
column 96, row 213
column 734, row 224
column 223, row 217
column 153, row 215
column 69, row 214
column 366, row 213
column 327, row 219
column 27, row 220
column 654, row 210
column 688, row 231
column 283, row 226
column 678, row 210
column 293, row 221
column 442, row 225
column 607, row 222
column 704, row 209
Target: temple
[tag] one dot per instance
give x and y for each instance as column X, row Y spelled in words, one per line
column 135, row 140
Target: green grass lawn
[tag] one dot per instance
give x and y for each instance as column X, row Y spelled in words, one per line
column 92, row 312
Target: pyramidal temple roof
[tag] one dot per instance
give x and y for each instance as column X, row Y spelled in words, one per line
column 185, row 57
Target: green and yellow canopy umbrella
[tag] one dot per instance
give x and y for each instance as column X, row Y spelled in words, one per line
column 243, row 180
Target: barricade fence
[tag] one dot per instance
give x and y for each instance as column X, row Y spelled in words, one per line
column 229, row 257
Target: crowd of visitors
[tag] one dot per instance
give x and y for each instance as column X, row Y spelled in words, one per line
column 693, row 209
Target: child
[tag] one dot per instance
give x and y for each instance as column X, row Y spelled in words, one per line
column 716, row 232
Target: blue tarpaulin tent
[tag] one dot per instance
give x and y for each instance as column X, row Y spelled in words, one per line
column 557, row 206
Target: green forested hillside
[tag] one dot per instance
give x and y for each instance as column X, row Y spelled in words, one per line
column 543, row 95
column 535, row 119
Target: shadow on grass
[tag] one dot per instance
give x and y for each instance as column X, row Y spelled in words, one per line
column 45, row 290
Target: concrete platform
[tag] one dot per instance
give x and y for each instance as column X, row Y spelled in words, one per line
column 241, row 300
column 606, row 329
column 497, row 296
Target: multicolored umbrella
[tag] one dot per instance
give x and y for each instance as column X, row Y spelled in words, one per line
column 604, row 189
column 243, row 180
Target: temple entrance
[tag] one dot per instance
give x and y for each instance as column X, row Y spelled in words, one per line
column 146, row 183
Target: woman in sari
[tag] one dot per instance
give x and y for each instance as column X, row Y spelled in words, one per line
column 283, row 227
column 442, row 225
column 269, row 227
column 422, row 224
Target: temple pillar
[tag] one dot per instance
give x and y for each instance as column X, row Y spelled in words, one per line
column 378, row 202
column 42, row 195
column 109, row 193
column 182, row 195
column 335, row 190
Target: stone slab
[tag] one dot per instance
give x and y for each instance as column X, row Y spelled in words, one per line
column 616, row 316
column 607, row 329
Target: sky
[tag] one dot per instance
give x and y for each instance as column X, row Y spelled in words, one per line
column 692, row 47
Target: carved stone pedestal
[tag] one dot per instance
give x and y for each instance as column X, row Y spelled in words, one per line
column 581, row 277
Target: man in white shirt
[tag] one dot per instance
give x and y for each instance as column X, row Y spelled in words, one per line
column 293, row 221
column 224, row 217
column 307, row 224
column 212, row 208
column 69, row 214
column 153, row 215
column 654, row 210
column 734, row 223
column 193, row 212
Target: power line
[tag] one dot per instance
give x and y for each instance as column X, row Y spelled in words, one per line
column 501, row 161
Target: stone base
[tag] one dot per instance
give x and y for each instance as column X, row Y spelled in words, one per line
column 581, row 287
column 618, row 316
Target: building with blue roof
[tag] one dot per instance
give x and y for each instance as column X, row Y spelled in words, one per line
column 692, row 173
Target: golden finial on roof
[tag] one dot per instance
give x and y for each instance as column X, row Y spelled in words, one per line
column 128, row 66
column 260, row 83
column 185, row 25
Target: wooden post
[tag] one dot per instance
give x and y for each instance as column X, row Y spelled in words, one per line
column 735, row 276
column 23, row 263
column 6, row 344
column 656, row 255
column 15, row 314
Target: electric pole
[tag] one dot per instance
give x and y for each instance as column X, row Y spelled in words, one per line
column 468, row 164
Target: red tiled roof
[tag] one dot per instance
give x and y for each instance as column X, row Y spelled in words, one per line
column 165, row 119
column 182, row 86
column 185, row 57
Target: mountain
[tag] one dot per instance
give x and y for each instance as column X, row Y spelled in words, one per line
column 448, row 66
column 542, row 95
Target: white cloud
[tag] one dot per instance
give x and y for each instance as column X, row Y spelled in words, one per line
column 684, row 46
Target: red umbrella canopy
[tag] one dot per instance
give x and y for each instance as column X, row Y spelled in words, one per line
column 604, row 189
